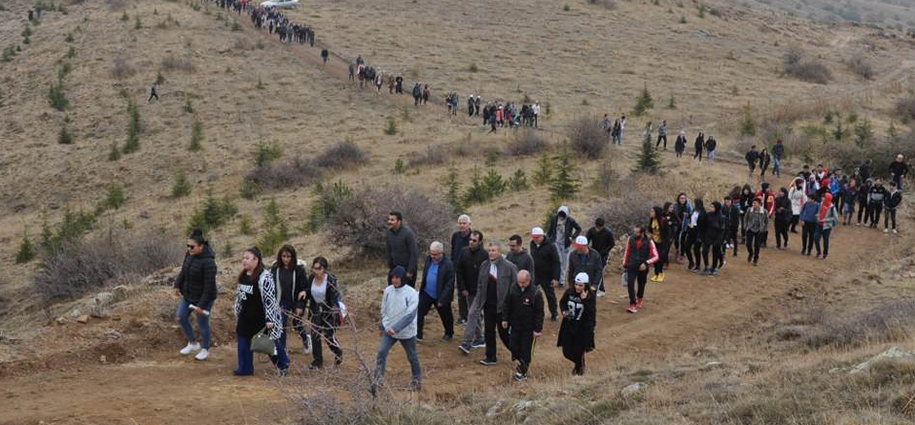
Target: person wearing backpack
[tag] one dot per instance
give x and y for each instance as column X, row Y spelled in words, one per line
column 196, row 285
column 289, row 275
column 256, row 309
column 321, row 297
column 827, row 219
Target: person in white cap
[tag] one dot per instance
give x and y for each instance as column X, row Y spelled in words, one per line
column 640, row 254
column 546, row 268
column 586, row 259
column 563, row 230
column 579, row 313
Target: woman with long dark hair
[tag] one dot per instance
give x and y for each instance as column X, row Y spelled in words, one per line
column 659, row 231
column 683, row 210
column 576, row 333
column 712, row 238
column 255, row 309
column 673, row 223
column 289, row 275
column 640, row 254
column 694, row 239
column 196, row 285
column 321, row 295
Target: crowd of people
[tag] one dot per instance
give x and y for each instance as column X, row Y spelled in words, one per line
column 505, row 295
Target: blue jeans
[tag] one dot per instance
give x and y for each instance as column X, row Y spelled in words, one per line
column 281, row 360
column 245, row 357
column 409, row 345
column 777, row 167
column 203, row 321
column 711, row 156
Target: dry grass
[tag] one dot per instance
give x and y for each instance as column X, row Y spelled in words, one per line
column 121, row 69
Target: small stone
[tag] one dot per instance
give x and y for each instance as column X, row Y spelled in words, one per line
column 712, row 366
column 102, row 359
column 61, row 320
column 633, row 390
column 83, row 319
column 75, row 313
column 494, row 410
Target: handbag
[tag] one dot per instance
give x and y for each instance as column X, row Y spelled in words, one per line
column 624, row 279
column 261, row 343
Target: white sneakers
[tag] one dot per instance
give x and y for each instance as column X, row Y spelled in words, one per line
column 190, row 348
column 601, row 293
column 308, row 344
column 203, row 354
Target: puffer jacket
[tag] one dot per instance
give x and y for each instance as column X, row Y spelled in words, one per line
column 197, row 280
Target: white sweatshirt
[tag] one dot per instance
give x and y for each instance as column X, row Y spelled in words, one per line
column 398, row 311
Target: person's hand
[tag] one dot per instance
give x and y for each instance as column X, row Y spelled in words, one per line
column 298, row 312
column 177, row 292
column 302, row 295
column 391, row 332
column 409, row 275
column 269, row 325
column 642, row 267
column 465, row 293
column 537, row 334
column 380, row 332
column 504, row 325
column 565, row 314
column 198, row 310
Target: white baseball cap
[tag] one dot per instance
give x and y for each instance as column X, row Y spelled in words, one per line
column 537, row 232
column 581, row 278
column 581, row 240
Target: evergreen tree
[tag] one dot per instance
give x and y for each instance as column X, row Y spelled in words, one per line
column 64, row 137
column 26, row 251
column 649, row 161
column 276, row 230
column 453, row 189
column 182, row 187
column 839, row 132
column 196, row 136
column 544, row 174
column 893, row 132
column 864, row 132
column 748, row 124
column 644, row 102
column 134, row 127
column 564, row 184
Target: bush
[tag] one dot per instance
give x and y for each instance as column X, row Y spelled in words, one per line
column 26, row 251
column 390, row 128
column 115, row 153
column 196, row 136
column 806, row 69
column 212, row 214
column 452, row 186
column 134, row 128
column 905, row 107
column 864, row 133
column 69, row 38
column 249, row 189
column 644, row 102
column 182, row 187
column 267, row 153
column 64, row 137
column 606, row 4
column 434, row 155
column 188, row 107
column 114, row 199
column 859, row 65
column 518, row 181
column 172, row 63
column 627, row 208
column 121, row 69
column 587, row 137
column 71, row 229
column 564, row 184
column 649, row 161
column 526, row 142
column 244, row 226
column 276, row 230
column 885, row 323
column 748, row 124
column 56, row 96
column 82, row 266
column 329, row 198
column 544, row 174
column 342, row 155
column 359, row 224
column 287, row 174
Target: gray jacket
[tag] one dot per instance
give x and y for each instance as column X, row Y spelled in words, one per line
column 757, row 222
column 523, row 261
column 401, row 247
column 508, row 277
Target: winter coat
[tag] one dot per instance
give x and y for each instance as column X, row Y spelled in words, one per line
column 197, row 280
column 507, row 277
column 522, row 260
column 714, row 229
column 299, row 276
column 467, row 269
column 523, row 308
column 893, row 199
column 579, row 319
column 332, row 309
column 444, row 284
column 267, row 289
column 590, row 263
column 757, row 221
column 572, row 229
column 401, row 249
column 797, row 198
column 809, row 212
column 546, row 262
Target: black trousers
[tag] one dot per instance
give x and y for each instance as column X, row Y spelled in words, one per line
column 547, row 288
column 426, row 303
column 890, row 214
column 633, row 275
column 874, row 210
column 492, row 323
column 660, row 138
column 863, row 210
column 663, row 252
column 520, row 343
column 781, row 232
column 807, row 234
column 754, row 240
column 794, row 220
column 322, row 329
column 462, row 306
column 151, row 96
column 576, row 354
column 692, row 247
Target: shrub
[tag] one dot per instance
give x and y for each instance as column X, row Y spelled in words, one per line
column 57, row 97
column 587, row 137
column 26, row 251
column 885, row 323
column 160, row 79
column 64, row 137
column 196, row 136
column 249, row 189
column 173, row 63
column 544, row 174
column 8, row 54
column 623, row 210
column 747, row 123
column 565, row 184
column 905, row 107
column 121, row 69
column 212, row 214
column 114, row 199
column 287, row 174
column 672, row 103
column 518, row 181
column 493, row 183
column 359, row 224
column 244, row 226
column 649, row 161
column 811, row 70
column 82, row 266
column 71, row 229
column 342, row 155
column 182, row 187
column 65, row 69
column 434, row 155
column 452, row 186
column 188, row 107
column 267, row 153
column 390, row 128
column 115, row 153
column 526, row 142
column 476, row 193
column 137, row 23
column 329, row 198
column 864, row 133
column 276, row 230
column 606, row 4
column 134, row 128
column 473, row 67
column 125, row 17
column 859, row 65
column 399, row 167
column 644, row 102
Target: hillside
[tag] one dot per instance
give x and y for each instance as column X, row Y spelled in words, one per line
column 251, row 96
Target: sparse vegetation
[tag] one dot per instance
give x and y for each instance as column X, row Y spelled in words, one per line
column 526, row 142
column 64, row 137
column 121, row 69
column 266, row 153
column 587, row 137
column 275, row 229
column 544, row 174
column 864, row 133
column 518, row 181
column 249, row 189
column 747, row 123
column 452, row 186
column 114, row 153
column 182, row 186
column 288, row 174
column 26, row 252
column 57, row 97
column 114, row 199
column 390, row 127
column 134, row 128
column 905, row 107
column 859, row 65
column 342, row 155
column 329, row 198
column 188, row 107
column 196, row 136
column 811, row 70
column 174, row 63
column 212, row 214
column 644, row 102
column 649, row 160
column 564, row 184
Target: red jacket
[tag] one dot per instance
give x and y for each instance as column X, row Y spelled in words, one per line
column 653, row 256
column 767, row 199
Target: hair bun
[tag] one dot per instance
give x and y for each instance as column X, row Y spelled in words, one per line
column 197, row 232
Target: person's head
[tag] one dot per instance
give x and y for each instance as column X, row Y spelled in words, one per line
column 286, row 257
column 514, row 243
column 436, row 251
column 753, row 148
column 537, row 235
column 638, row 230
column 252, row 261
column 668, row 208
column 728, row 202
column 664, row 122
column 581, row 282
column 756, row 204
column 765, row 187
column 319, row 267
column 778, row 142
column 892, row 186
column 196, row 242
column 699, row 205
column 524, row 279
column 812, row 196
column 395, row 220
column 900, row 158
column 599, row 222
column 656, row 212
column 878, row 182
column 464, row 223
column 716, row 207
column 581, row 244
column 562, row 213
column 476, row 239
column 783, row 192
column 494, row 250
column 682, row 199
column 806, row 167
column 798, row 182
column 397, row 276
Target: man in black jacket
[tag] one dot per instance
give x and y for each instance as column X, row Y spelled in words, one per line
column 436, row 290
column 601, row 239
column 518, row 256
column 898, row 170
column 460, row 240
column 467, row 270
column 401, row 247
column 584, row 259
column 752, row 158
column 563, row 230
column 546, row 267
column 892, row 201
column 875, row 199
column 522, row 313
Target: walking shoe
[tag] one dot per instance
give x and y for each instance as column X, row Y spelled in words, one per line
column 416, row 386
column 735, row 253
column 859, row 223
column 632, row 309
column 553, row 318
column 640, row 303
column 307, row 344
column 601, row 293
column 704, row 272
column 202, row 355
column 462, row 321
column 282, row 373
column 661, row 278
column 714, row 272
column 478, row 344
column 749, row 258
column 895, row 232
column 518, row 376
column 419, row 339
column 447, row 338
column 190, row 348
column 487, row 362
column 464, row 349
column 754, row 263
column 654, row 278
column 314, row 366
column 886, row 230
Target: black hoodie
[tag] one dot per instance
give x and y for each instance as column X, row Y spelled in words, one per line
column 197, row 280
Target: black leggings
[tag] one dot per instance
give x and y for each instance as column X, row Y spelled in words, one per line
column 688, row 246
column 875, row 209
column 863, row 210
column 323, row 329
column 890, row 214
column 794, row 220
column 663, row 250
column 754, row 240
column 576, row 354
column 807, row 236
column 781, row 232
column 633, row 275
column 822, row 233
column 705, row 251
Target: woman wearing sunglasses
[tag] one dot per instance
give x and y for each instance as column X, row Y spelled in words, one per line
column 196, row 285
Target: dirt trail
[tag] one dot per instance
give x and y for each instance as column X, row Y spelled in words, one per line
column 166, row 389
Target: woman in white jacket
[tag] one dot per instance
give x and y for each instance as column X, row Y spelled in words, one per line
column 398, row 324
column 797, row 195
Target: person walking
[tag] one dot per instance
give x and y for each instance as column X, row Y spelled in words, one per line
column 289, row 275
column 693, row 246
column 712, row 239
column 827, row 218
column 849, row 198
column 778, row 151
column 898, row 170
column 684, row 211
column 782, row 218
column 863, row 195
column 659, row 231
column 731, row 213
column 522, row 317
column 662, row 134
column 764, row 160
column 584, row 259
column 401, row 247
column 467, row 270
column 680, row 144
column 256, row 310
column 699, row 144
column 809, row 214
column 711, row 148
column 579, row 315
column 875, row 200
column 324, row 55
column 518, row 255
column 460, row 239
column 153, row 93
column 563, row 230
column 196, row 285
column 639, row 255
column 797, row 195
column 892, row 201
column 437, row 290
column 497, row 276
column 399, row 306
column 602, row 241
column 321, row 297
column 757, row 223
column 752, row 158
column 546, row 268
